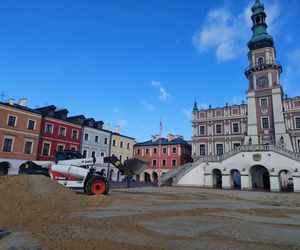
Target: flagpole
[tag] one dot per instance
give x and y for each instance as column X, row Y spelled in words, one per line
column 159, row 156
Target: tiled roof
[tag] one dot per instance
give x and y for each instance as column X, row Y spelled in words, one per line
column 21, row 107
column 164, row 141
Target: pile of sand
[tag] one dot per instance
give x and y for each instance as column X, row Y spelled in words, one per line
column 34, row 201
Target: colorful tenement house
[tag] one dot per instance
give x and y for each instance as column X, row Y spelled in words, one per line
column 175, row 151
column 19, row 133
column 248, row 146
column 57, row 133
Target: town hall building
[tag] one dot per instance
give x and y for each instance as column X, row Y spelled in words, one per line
column 253, row 145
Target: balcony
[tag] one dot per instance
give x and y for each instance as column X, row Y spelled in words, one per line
column 263, row 65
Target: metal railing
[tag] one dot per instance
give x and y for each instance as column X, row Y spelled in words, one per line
column 179, row 172
column 263, row 64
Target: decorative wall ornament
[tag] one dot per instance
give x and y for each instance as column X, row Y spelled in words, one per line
column 257, row 157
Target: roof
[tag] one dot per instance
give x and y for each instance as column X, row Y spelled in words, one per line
column 164, row 141
column 125, row 136
column 24, row 108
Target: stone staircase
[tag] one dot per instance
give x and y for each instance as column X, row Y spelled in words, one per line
column 175, row 175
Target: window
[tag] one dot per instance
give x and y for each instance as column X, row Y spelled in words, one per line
column 74, row 149
column 28, row 146
column 235, row 111
column 235, row 128
column 236, row 145
column 299, row 146
column 147, row 151
column 264, row 102
column 219, row 149
column 154, row 162
column 202, row 130
column 74, row 134
column 127, row 158
column 260, row 61
column 93, row 154
column 31, row 124
column 11, row 120
column 86, row 136
column 48, row 128
column 114, row 143
column 62, row 131
column 121, row 144
column 154, row 150
column 128, row 145
column 174, row 150
column 297, row 120
column 60, row 148
column 202, row 149
column 102, row 154
column 8, row 144
column 202, row 115
column 138, row 152
column 174, row 163
column 219, row 129
column 121, row 158
column 265, row 123
column 164, row 150
column 105, row 141
column 84, row 153
column 164, row 163
column 96, row 138
column 46, row 149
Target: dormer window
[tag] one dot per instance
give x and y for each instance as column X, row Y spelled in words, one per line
column 260, row 61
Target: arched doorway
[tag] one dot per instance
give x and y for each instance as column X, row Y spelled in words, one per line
column 235, row 177
column 155, row 177
column 286, row 181
column 260, row 177
column 147, row 177
column 4, row 166
column 217, row 178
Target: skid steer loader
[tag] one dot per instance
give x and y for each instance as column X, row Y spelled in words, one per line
column 81, row 173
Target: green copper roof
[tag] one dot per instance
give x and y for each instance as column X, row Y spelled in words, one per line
column 260, row 38
column 195, row 109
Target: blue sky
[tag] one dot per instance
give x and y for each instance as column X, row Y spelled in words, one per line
column 131, row 62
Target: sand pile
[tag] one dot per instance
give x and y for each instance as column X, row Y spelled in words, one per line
column 34, row 201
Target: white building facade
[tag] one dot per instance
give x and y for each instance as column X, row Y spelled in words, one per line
column 248, row 146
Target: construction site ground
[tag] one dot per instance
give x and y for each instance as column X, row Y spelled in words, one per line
column 37, row 213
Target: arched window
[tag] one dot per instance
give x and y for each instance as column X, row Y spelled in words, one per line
column 257, row 19
column 260, row 61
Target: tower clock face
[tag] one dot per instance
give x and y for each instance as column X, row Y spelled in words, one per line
column 262, row 81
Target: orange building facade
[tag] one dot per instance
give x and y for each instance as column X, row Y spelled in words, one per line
column 19, row 132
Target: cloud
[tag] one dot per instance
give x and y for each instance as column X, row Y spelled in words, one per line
column 236, row 100
column 226, row 33
column 122, row 123
column 188, row 113
column 150, row 107
column 163, row 94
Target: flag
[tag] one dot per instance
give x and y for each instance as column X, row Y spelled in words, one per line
column 161, row 125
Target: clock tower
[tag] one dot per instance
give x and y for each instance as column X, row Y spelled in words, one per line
column 265, row 110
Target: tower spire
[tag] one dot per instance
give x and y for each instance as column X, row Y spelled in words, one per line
column 195, row 109
column 260, row 38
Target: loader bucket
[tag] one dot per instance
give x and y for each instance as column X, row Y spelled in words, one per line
column 135, row 166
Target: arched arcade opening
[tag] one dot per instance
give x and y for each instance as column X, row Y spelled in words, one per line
column 147, row 177
column 286, row 181
column 217, row 178
column 235, row 178
column 260, row 177
column 155, row 177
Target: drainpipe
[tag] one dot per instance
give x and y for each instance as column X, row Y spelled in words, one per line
column 109, row 154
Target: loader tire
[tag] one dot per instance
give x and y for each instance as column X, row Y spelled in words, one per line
column 96, row 185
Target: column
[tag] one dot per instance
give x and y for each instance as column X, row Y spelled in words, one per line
column 296, row 180
column 245, row 182
column 226, row 184
column 208, row 180
column 275, row 183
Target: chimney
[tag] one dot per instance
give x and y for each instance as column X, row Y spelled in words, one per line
column 154, row 138
column 22, row 102
column 117, row 129
column 11, row 101
column 107, row 126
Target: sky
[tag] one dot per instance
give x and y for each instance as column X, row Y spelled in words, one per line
column 131, row 63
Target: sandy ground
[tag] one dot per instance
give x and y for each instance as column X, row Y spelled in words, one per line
column 37, row 213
